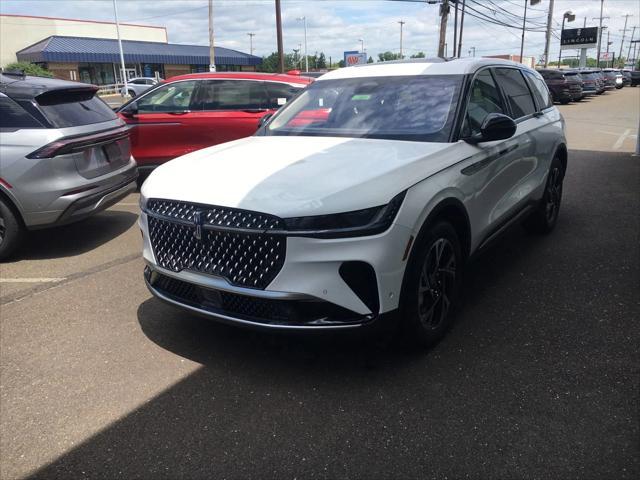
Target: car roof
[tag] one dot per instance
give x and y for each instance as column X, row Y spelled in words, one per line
column 273, row 77
column 420, row 66
column 26, row 87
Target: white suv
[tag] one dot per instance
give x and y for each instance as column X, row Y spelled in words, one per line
column 360, row 200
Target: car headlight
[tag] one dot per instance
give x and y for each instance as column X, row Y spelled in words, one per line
column 358, row 223
column 142, row 202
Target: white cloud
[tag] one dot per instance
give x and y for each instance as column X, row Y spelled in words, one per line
column 334, row 26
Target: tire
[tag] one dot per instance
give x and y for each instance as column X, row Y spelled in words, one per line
column 132, row 93
column 431, row 285
column 11, row 231
column 543, row 220
column 564, row 102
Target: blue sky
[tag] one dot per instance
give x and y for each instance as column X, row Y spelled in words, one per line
column 336, row 25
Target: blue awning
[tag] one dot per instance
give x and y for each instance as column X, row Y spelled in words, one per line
column 100, row 50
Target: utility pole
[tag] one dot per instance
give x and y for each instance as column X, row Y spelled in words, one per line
column 455, row 28
column 600, row 33
column 444, row 17
column 524, row 24
column 608, row 43
column 279, row 34
column 124, row 72
column 212, row 49
column 251, row 35
column 624, row 31
column 547, row 42
column 633, row 34
column 464, row 2
column 401, row 22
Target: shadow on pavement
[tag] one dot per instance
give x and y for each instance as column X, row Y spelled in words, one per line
column 537, row 374
column 76, row 238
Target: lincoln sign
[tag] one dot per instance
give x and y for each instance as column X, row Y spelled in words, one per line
column 576, row 38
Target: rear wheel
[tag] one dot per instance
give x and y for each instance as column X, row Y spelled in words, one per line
column 132, row 93
column 545, row 217
column 11, row 231
column 431, row 285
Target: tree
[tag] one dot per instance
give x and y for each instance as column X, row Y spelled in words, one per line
column 370, row 60
column 270, row 64
column 388, row 56
column 418, row 55
column 321, row 64
column 341, row 64
column 29, row 69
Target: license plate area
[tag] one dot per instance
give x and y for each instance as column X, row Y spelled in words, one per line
column 96, row 160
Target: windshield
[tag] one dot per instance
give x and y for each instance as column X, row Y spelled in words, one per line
column 418, row 108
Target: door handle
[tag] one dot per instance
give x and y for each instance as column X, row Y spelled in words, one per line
column 254, row 110
column 179, row 113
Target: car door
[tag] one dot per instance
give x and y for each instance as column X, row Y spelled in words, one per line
column 161, row 128
column 498, row 167
column 226, row 110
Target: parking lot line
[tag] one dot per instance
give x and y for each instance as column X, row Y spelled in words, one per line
column 32, row 280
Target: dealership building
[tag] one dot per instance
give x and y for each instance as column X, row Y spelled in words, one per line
column 97, row 60
column 87, row 51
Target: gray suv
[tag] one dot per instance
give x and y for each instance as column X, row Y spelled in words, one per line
column 136, row 86
column 64, row 155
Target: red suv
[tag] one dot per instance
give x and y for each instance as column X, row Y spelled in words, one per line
column 190, row 112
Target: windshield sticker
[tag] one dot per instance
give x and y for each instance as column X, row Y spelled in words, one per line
column 361, row 97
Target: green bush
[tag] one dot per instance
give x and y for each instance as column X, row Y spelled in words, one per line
column 29, row 69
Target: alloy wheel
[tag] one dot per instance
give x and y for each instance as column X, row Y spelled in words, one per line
column 436, row 284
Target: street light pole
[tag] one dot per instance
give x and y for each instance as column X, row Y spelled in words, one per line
column 547, row 42
column 251, row 35
column 212, row 48
column 568, row 15
column 401, row 22
column 361, row 40
column 124, row 73
column 306, row 57
column 279, row 35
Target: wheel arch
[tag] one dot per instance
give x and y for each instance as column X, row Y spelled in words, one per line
column 12, row 205
column 563, row 154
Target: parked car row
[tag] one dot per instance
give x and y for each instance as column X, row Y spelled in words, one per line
column 572, row 85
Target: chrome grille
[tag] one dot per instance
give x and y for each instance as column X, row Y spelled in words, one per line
column 250, row 258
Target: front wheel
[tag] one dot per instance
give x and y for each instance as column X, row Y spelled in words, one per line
column 545, row 217
column 11, row 231
column 431, row 285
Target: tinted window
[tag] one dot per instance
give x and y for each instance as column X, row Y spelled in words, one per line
column 540, row 90
column 13, row 115
column 516, row 90
column 418, row 108
column 230, row 95
column 72, row 108
column 484, row 99
column 279, row 93
column 173, row 97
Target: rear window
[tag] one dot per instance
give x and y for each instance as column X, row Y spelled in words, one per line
column 72, row 108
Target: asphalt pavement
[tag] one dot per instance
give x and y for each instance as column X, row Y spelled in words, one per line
column 538, row 378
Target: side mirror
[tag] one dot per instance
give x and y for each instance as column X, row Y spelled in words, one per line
column 131, row 110
column 264, row 119
column 495, row 126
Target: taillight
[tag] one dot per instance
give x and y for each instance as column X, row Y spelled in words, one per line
column 78, row 143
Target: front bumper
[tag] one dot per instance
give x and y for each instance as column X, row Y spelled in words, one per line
column 309, row 292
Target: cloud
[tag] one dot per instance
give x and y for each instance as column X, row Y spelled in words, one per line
column 334, row 26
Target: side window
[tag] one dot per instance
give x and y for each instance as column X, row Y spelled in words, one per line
column 483, row 100
column 13, row 115
column 279, row 93
column 231, row 95
column 517, row 91
column 540, row 90
column 174, row 97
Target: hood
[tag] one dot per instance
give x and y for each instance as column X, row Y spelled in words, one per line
column 297, row 176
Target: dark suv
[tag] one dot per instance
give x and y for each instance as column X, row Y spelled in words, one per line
column 590, row 83
column 576, row 84
column 64, row 155
column 561, row 90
